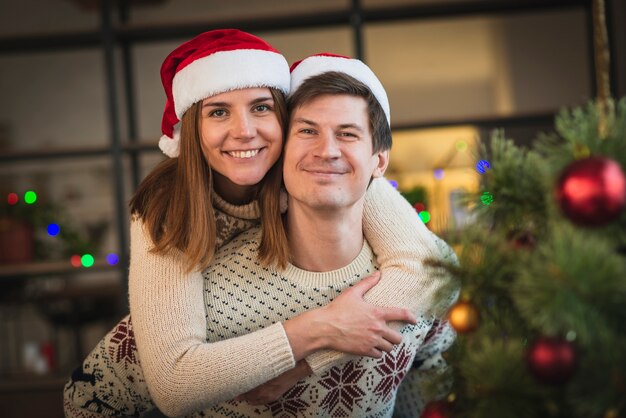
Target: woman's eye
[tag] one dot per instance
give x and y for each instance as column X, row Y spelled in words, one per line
column 218, row 113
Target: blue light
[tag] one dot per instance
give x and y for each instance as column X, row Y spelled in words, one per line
column 393, row 183
column 438, row 173
column 53, row 229
column 113, row 259
column 482, row 166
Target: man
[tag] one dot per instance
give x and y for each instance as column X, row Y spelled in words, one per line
column 338, row 142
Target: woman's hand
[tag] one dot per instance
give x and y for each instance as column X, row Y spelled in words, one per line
column 347, row 324
column 273, row 389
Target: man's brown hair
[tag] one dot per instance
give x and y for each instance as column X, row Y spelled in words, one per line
column 336, row 83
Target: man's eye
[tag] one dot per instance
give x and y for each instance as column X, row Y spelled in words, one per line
column 348, row 135
column 262, row 108
column 307, row 131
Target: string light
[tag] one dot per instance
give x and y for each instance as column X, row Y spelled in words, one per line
column 482, row 166
column 461, row 146
column 53, row 230
column 393, row 183
column 87, row 260
column 75, row 261
column 12, row 198
column 424, row 216
column 419, row 206
column 438, row 173
column 113, row 259
column 30, row 197
column 486, row 198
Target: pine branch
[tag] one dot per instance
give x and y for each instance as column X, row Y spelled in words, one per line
column 573, row 282
column 516, row 181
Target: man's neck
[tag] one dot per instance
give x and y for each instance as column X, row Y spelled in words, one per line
column 324, row 240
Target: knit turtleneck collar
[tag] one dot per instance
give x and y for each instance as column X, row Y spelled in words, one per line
column 247, row 211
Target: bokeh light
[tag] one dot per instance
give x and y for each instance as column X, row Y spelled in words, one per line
column 53, row 230
column 424, row 216
column 393, row 183
column 461, row 146
column 113, row 259
column 12, row 198
column 438, row 173
column 419, row 206
column 75, row 261
column 30, row 197
column 482, row 166
column 87, row 260
column 486, row 198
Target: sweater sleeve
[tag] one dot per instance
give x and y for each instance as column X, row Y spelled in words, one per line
column 183, row 372
column 401, row 243
column 429, row 378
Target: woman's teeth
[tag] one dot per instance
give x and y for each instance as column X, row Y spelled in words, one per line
column 243, row 154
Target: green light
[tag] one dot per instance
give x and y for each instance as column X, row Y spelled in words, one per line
column 486, row 198
column 30, row 197
column 461, row 146
column 87, row 260
column 424, row 216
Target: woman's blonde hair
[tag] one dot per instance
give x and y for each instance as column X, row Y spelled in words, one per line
column 175, row 200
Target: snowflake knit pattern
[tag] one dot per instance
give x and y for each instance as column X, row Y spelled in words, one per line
column 242, row 297
column 110, row 381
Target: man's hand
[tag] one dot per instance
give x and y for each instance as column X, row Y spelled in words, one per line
column 348, row 324
column 357, row 327
column 271, row 390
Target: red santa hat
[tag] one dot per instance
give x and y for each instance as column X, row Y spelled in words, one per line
column 211, row 63
column 325, row 62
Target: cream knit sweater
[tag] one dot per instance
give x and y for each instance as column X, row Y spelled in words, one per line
column 169, row 320
column 243, row 298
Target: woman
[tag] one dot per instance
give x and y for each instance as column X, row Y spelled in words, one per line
column 226, row 89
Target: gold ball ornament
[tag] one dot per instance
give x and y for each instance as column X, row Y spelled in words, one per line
column 464, row 317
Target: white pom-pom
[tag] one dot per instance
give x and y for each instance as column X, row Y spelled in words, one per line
column 171, row 146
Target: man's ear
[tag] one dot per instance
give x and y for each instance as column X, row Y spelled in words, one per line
column 383, row 162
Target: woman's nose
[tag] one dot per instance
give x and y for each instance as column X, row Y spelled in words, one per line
column 243, row 127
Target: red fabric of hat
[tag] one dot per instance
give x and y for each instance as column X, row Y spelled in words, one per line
column 216, row 62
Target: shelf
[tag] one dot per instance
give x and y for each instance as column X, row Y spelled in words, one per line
column 26, row 382
column 545, row 117
column 535, row 118
column 185, row 29
column 48, row 268
column 74, row 152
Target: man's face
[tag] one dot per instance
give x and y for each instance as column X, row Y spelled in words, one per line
column 328, row 160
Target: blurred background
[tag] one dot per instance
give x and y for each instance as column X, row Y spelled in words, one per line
column 81, row 111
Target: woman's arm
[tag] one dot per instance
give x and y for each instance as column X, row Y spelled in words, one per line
column 186, row 374
column 167, row 310
column 402, row 243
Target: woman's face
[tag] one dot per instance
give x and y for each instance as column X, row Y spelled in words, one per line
column 241, row 137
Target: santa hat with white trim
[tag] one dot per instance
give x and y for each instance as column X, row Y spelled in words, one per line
column 211, row 63
column 325, row 62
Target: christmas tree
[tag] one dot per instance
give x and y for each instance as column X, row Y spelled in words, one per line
column 542, row 314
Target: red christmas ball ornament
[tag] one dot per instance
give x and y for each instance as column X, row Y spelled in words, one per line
column 551, row 360
column 592, row 191
column 437, row 409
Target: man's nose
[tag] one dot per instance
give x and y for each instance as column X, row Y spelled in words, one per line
column 328, row 146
